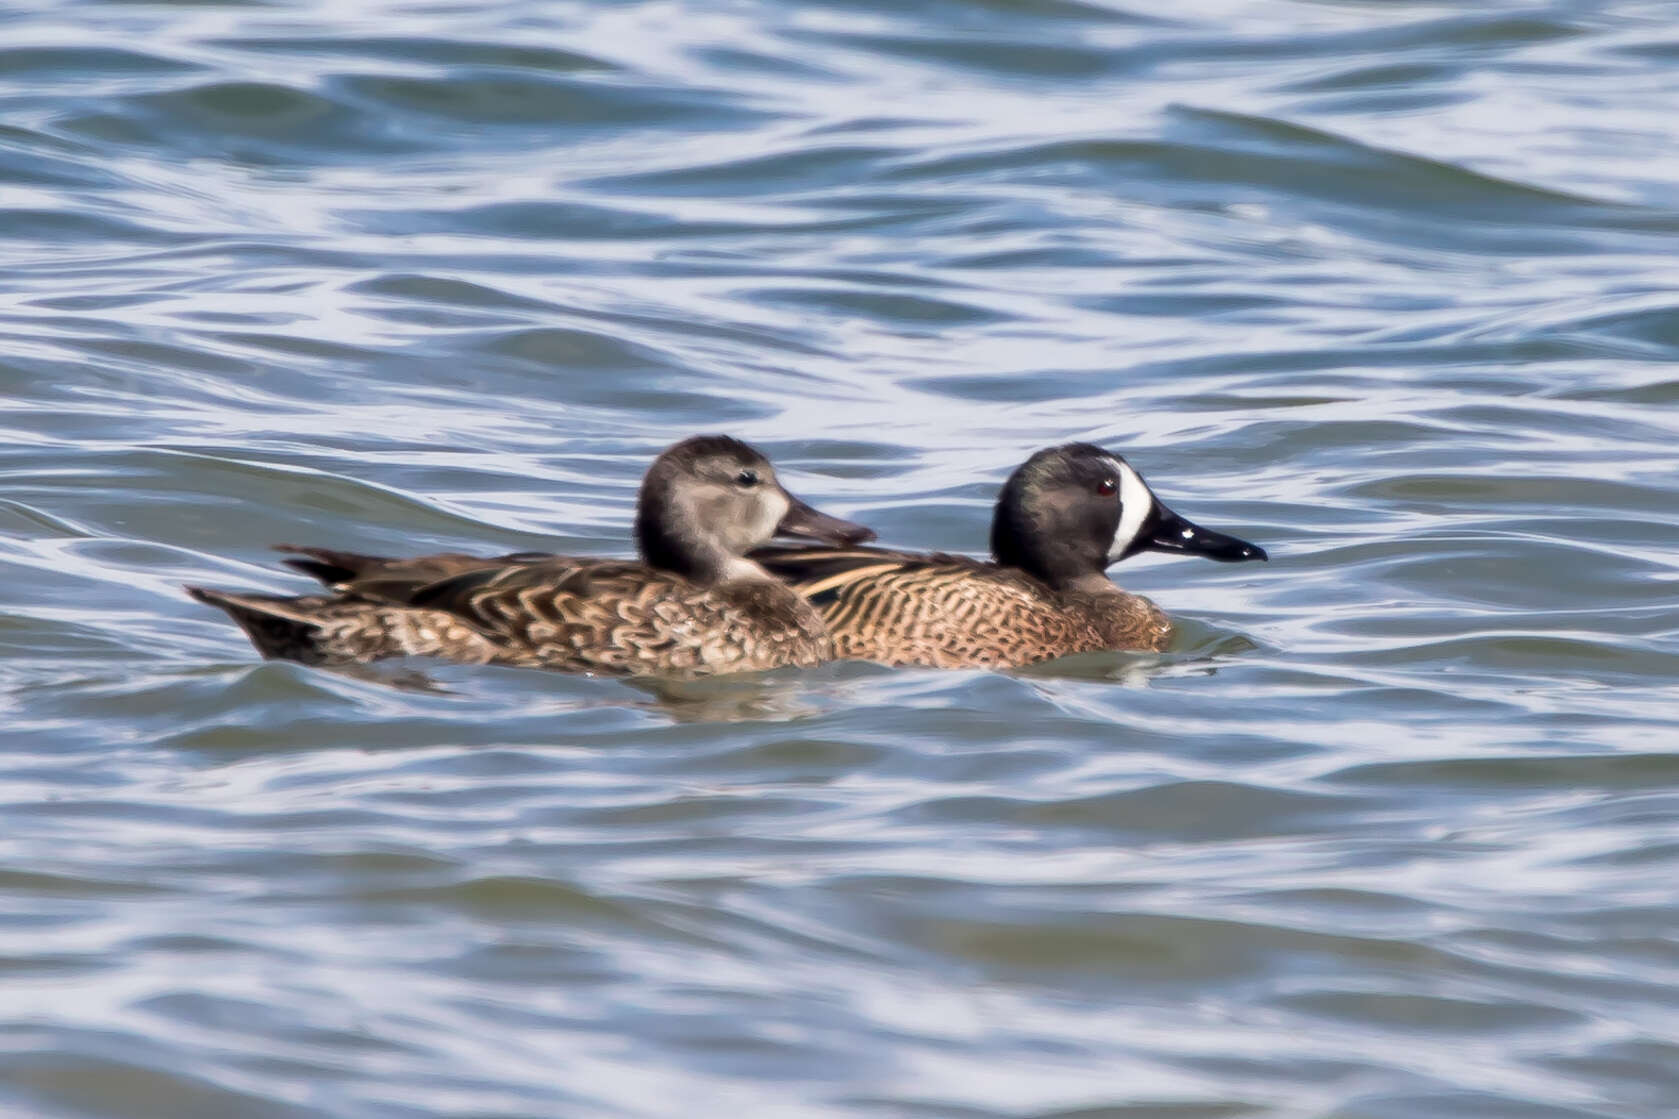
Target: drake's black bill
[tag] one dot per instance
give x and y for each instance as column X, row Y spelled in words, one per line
column 802, row 520
column 1165, row 531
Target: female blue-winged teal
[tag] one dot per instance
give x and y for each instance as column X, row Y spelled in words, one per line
column 1062, row 518
column 693, row 605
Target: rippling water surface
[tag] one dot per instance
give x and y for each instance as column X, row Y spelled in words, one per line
column 1389, row 288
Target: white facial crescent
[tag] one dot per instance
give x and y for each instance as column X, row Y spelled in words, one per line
column 1135, row 504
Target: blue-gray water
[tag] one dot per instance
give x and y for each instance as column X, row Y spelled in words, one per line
column 1389, row 288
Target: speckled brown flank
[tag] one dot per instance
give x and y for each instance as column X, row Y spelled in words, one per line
column 612, row 617
column 952, row 612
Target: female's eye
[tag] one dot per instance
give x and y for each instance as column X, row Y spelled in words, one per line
column 747, row 477
column 1106, row 487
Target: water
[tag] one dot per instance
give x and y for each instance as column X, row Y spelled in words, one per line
column 1386, row 288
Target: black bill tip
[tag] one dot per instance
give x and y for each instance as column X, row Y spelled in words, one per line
column 1172, row 533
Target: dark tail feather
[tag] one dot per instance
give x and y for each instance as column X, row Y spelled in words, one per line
column 277, row 626
column 332, row 567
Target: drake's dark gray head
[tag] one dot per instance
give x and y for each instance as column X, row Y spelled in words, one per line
column 710, row 499
column 1069, row 512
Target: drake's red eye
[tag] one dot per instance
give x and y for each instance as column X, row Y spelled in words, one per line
column 1106, row 487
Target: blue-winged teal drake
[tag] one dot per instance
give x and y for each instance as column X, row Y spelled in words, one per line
column 1062, row 518
column 693, row 604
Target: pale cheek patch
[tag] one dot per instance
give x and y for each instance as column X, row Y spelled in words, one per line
column 776, row 509
column 1136, row 502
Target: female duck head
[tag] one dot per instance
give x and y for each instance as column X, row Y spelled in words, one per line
column 710, row 499
column 1070, row 511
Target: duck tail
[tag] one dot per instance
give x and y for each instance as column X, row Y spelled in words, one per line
column 278, row 626
column 330, row 566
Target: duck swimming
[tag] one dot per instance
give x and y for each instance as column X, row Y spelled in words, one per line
column 1062, row 518
column 693, row 604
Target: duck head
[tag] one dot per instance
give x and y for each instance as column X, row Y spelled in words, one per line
column 710, row 499
column 1069, row 512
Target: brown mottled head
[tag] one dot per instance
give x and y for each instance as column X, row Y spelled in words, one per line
column 1069, row 512
column 710, row 499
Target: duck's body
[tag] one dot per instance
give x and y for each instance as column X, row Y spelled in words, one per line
column 946, row 611
column 692, row 605
column 608, row 617
column 1062, row 518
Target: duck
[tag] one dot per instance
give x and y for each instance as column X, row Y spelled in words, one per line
column 692, row 604
column 1063, row 517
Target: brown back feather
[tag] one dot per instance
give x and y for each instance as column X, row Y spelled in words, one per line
column 611, row 616
column 337, row 568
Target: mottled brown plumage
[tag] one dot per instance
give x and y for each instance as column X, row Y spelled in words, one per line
column 954, row 612
column 345, row 628
column 1060, row 520
column 692, row 606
